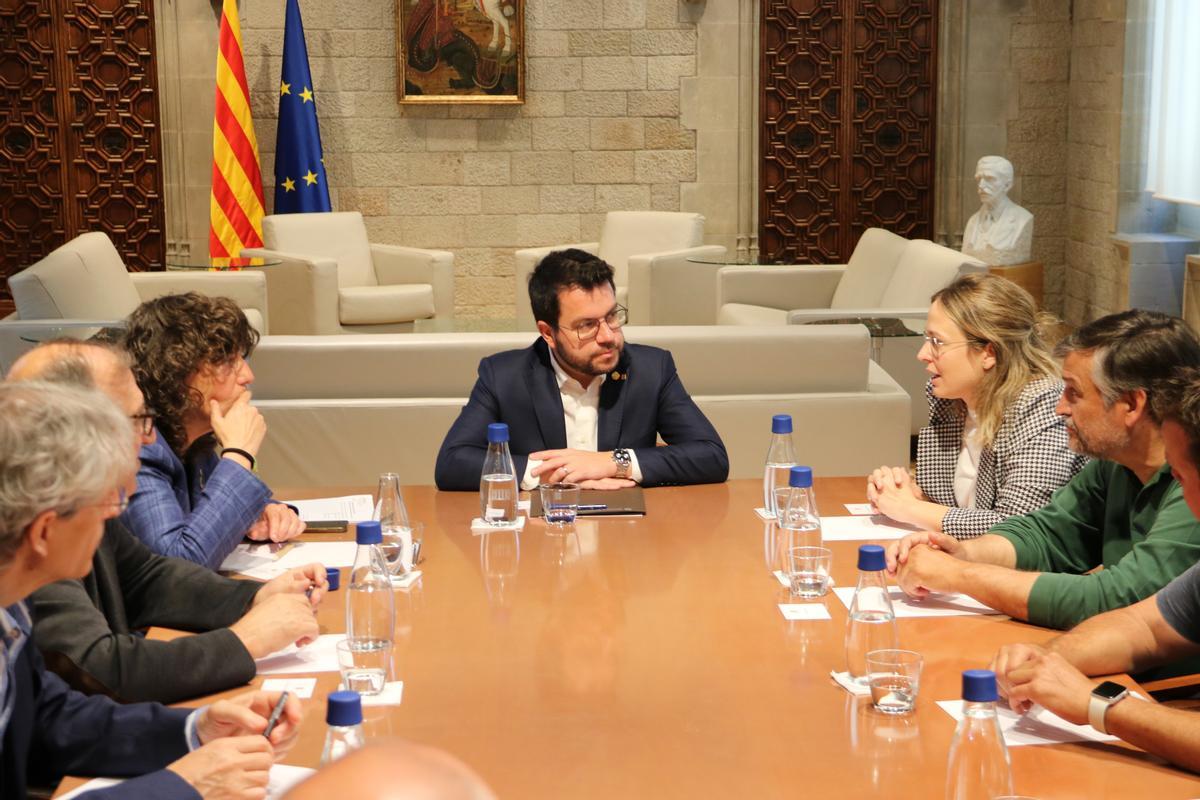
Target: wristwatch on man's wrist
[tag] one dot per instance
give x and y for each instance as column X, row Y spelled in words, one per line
column 624, row 462
column 1104, row 696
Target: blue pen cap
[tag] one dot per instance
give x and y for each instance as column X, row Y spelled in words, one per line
column 368, row 532
column 781, row 423
column 870, row 558
column 334, row 576
column 497, row 432
column 345, row 708
column 979, row 686
column 800, row 477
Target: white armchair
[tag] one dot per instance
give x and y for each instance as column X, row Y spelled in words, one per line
column 86, row 279
column 887, row 276
column 637, row 244
column 333, row 280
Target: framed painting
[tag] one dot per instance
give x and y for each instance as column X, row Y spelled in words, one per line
column 460, row 51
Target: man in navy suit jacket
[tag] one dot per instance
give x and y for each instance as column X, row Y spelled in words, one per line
column 581, row 405
column 65, row 454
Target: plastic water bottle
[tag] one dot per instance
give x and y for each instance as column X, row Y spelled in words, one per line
column 370, row 602
column 872, row 624
column 979, row 765
column 344, row 718
column 393, row 520
column 799, row 517
column 781, row 457
column 498, row 485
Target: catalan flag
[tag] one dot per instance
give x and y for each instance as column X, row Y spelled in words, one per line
column 300, row 183
column 236, row 203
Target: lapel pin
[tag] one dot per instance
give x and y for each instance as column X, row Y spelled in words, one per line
column 617, row 376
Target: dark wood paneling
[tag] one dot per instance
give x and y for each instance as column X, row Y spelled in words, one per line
column 80, row 145
column 847, row 124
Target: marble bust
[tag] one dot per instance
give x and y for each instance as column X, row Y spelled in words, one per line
column 1000, row 232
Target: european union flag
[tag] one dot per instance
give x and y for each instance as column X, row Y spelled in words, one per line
column 300, row 183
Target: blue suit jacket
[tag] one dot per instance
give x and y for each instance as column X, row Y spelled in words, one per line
column 640, row 400
column 55, row 731
column 199, row 511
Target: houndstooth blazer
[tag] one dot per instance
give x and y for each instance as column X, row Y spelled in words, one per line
column 1026, row 462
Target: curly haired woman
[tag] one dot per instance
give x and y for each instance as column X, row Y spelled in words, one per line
column 197, row 495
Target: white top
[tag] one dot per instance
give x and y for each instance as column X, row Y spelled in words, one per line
column 966, row 471
column 581, row 413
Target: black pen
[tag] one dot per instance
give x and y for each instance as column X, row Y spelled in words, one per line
column 274, row 718
column 594, row 507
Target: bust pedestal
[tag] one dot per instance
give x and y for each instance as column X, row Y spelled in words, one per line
column 1027, row 275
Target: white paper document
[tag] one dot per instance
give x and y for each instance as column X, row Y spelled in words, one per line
column 859, row 509
column 319, row 656
column 935, row 605
column 844, row 680
column 804, row 611
column 351, row 507
column 862, row 528
column 392, row 694
column 764, row 515
column 281, row 778
column 263, row 562
column 479, row 526
column 296, row 687
column 1039, row 726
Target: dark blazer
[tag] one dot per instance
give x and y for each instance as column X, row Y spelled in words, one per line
column 640, row 400
column 55, row 731
column 87, row 630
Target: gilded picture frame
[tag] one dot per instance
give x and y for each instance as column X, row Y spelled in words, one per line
column 460, row 51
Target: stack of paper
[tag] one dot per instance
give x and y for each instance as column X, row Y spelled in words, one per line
column 351, row 507
column 861, row 527
column 1039, row 726
column 935, row 605
column 265, row 561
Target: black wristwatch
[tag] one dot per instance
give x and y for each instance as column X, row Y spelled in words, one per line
column 623, row 461
column 1104, row 696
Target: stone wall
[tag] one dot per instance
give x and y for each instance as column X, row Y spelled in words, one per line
column 602, row 128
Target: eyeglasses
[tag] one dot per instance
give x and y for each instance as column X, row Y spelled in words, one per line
column 588, row 329
column 937, row 345
column 143, row 423
column 121, row 503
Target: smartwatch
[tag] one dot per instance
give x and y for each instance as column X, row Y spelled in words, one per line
column 1104, row 697
column 623, row 461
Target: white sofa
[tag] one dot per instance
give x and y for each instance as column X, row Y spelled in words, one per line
column 342, row 409
column 333, row 280
column 86, row 279
column 887, row 276
column 648, row 251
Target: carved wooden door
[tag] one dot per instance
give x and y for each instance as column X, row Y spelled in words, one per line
column 79, row 131
column 847, row 124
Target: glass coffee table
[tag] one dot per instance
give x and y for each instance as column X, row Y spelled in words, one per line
column 880, row 328
column 219, row 264
column 729, row 261
column 466, row 325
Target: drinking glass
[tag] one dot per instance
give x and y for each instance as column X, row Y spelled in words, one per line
column 560, row 503
column 894, row 677
column 364, row 664
column 808, row 570
column 399, row 546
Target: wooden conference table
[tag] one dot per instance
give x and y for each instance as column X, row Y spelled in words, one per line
column 647, row 658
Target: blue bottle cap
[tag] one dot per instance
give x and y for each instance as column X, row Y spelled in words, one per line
column 368, row 532
column 871, row 559
column 497, row 432
column 800, row 477
column 781, row 423
column 334, row 576
column 979, row 686
column 345, row 708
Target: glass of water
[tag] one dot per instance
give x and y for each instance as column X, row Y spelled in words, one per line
column 894, row 677
column 808, row 570
column 560, row 503
column 401, row 546
column 365, row 664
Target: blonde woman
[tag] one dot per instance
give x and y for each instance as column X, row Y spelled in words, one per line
column 994, row 448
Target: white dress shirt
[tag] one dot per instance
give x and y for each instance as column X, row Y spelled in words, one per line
column 966, row 471
column 581, row 413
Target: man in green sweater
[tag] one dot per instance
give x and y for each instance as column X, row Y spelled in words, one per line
column 1124, row 511
column 1159, row 630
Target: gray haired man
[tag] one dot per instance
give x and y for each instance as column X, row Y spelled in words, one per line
column 65, row 455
